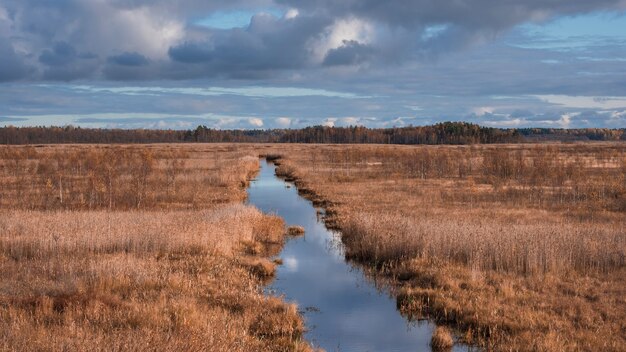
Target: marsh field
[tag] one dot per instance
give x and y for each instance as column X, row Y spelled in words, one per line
column 514, row 247
column 137, row 248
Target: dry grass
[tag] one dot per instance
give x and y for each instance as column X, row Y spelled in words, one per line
column 124, row 177
column 521, row 247
column 441, row 339
column 166, row 278
column 295, row 231
column 518, row 247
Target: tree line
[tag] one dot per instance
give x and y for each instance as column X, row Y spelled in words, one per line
column 441, row 133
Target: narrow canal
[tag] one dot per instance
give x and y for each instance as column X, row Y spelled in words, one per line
column 343, row 311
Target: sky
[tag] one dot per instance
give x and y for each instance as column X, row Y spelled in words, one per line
column 250, row 64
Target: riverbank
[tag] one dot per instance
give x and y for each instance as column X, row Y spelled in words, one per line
column 508, row 269
column 178, row 264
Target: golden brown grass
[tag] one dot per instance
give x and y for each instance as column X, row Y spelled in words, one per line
column 124, row 177
column 520, row 247
column 295, row 231
column 181, row 270
column 441, row 339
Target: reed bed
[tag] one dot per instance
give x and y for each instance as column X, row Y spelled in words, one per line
column 176, row 271
column 123, row 177
column 520, row 247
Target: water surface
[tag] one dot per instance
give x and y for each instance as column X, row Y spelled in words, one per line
column 343, row 311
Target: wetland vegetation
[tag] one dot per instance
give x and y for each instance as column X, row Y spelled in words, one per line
column 137, row 248
column 517, row 247
column 510, row 247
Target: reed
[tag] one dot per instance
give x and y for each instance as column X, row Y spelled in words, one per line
column 475, row 235
column 123, row 177
column 441, row 339
column 159, row 267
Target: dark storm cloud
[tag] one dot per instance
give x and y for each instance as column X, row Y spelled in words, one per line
column 268, row 43
column 62, row 62
column 116, row 72
column 162, row 32
column 61, row 54
column 492, row 14
column 129, row 66
column 11, row 66
column 191, row 53
column 415, row 61
column 129, row 59
column 350, row 53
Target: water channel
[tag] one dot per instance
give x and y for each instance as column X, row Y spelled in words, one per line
column 343, row 310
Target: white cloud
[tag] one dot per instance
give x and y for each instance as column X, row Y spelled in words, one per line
column 565, row 120
column 145, row 31
column 483, row 110
column 283, row 122
column 504, row 123
column 329, row 122
column 256, row 122
column 617, row 115
column 226, row 122
column 351, row 121
column 350, row 29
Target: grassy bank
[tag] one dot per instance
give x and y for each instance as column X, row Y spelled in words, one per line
column 133, row 248
column 516, row 247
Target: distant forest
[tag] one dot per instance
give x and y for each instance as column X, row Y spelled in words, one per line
column 441, row 133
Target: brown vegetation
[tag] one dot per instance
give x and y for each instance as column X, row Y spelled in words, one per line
column 295, row 231
column 126, row 248
column 441, row 339
column 520, row 247
column 123, row 177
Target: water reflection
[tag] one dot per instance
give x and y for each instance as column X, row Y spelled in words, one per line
column 343, row 311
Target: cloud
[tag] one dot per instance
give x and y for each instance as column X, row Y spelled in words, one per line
column 191, row 53
column 251, row 91
column 291, row 14
column 585, row 102
column 565, row 120
column 129, row 59
column 507, row 123
column 315, row 61
column 349, row 53
column 341, row 32
column 618, row 115
column 12, row 66
column 63, row 62
column 283, row 122
column 311, row 34
column 268, row 44
column 128, row 65
column 256, row 122
column 483, row 110
column 61, row 55
column 329, row 122
column 11, row 119
column 472, row 14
